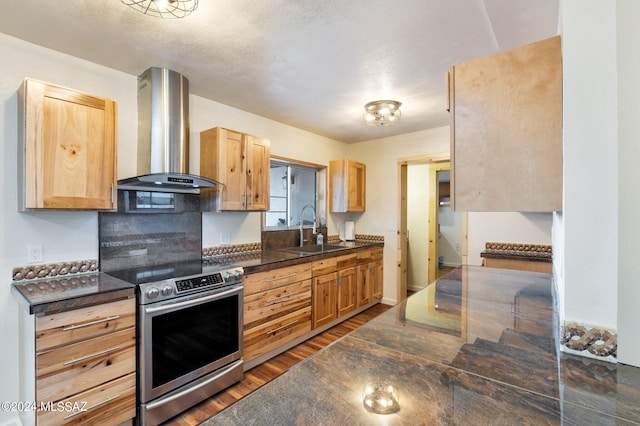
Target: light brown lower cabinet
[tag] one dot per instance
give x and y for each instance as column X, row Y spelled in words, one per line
column 334, row 288
column 85, row 362
column 277, row 308
column 286, row 305
column 369, row 277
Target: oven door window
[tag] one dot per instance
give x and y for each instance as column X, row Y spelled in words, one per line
column 191, row 338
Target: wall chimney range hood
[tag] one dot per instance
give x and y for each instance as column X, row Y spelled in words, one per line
column 163, row 136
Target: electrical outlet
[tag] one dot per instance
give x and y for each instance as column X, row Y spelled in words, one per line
column 391, row 226
column 458, row 247
column 34, row 253
column 375, row 226
column 225, row 238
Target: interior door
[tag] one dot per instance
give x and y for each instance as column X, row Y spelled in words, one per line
column 434, row 231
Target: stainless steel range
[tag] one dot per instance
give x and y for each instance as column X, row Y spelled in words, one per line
column 189, row 335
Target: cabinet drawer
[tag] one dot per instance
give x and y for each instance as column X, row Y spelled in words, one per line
column 68, row 356
column 262, row 281
column 364, row 256
column 72, row 326
column 86, row 374
column 270, row 335
column 112, row 403
column 332, row 264
column 271, row 304
column 376, row 254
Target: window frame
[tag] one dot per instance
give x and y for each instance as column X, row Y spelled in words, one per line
column 320, row 198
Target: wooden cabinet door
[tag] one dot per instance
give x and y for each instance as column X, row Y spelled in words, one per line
column 241, row 163
column 506, row 130
column 258, row 166
column 376, row 272
column 324, row 299
column 69, row 149
column 363, row 284
column 347, row 301
column 347, row 186
column 232, row 168
column 356, row 188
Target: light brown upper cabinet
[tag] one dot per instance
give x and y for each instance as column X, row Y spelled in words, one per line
column 347, row 183
column 240, row 162
column 68, row 153
column 506, row 130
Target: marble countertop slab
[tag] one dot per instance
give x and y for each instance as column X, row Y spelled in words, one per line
column 482, row 349
column 52, row 295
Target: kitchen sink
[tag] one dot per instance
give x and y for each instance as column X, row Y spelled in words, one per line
column 314, row 248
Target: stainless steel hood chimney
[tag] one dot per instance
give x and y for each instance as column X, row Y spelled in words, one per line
column 163, row 136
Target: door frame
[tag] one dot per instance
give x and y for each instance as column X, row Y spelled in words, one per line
column 402, row 246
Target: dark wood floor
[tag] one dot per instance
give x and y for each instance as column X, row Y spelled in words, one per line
column 273, row 368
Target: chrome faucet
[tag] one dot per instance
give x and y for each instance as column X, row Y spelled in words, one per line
column 302, row 221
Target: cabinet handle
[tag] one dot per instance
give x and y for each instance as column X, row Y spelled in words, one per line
column 281, row 278
column 77, row 360
column 87, row 324
column 92, row 407
column 112, row 187
column 275, row 330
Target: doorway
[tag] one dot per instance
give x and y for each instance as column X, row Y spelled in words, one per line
column 431, row 235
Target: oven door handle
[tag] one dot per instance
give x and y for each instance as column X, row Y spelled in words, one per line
column 192, row 302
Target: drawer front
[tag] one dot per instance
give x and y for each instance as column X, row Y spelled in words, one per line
column 68, row 356
column 324, row 266
column 269, row 305
column 376, row 254
column 364, row 256
column 346, row 261
column 86, row 374
column 262, row 281
column 72, row 326
column 112, row 403
column 269, row 336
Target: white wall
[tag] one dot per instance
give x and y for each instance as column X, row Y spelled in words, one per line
column 590, row 211
column 529, row 228
column 628, row 40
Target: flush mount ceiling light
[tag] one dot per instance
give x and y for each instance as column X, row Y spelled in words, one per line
column 382, row 113
column 163, row 8
column 381, row 398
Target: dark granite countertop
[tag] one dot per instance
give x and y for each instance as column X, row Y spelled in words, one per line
column 52, row 295
column 264, row 260
column 467, row 349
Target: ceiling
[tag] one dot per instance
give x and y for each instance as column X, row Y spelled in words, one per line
column 307, row 63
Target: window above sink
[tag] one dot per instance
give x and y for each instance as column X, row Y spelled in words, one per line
column 294, row 185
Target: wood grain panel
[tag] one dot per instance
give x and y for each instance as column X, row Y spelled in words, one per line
column 95, row 371
column 262, row 281
column 67, row 356
column 507, row 130
column 268, row 336
column 72, row 326
column 269, row 305
column 113, row 403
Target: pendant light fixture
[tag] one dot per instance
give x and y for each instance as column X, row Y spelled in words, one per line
column 163, row 8
column 382, row 113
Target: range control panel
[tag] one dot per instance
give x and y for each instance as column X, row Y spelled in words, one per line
column 172, row 288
